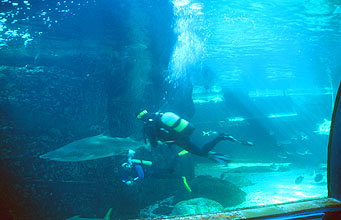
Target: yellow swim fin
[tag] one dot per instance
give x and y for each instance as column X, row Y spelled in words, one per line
column 107, row 216
column 186, row 184
column 183, row 152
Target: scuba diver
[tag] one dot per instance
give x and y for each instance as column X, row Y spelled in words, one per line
column 132, row 169
column 170, row 128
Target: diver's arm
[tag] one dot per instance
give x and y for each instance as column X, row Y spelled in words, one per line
column 153, row 141
column 140, row 173
column 143, row 162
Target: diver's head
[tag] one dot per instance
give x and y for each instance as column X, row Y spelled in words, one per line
column 131, row 153
column 142, row 114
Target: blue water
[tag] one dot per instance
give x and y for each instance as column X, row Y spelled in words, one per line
column 261, row 71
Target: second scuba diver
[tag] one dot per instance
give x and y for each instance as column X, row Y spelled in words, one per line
column 170, row 128
column 132, row 169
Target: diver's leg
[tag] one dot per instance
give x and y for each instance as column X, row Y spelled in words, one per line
column 205, row 151
column 188, row 145
column 193, row 148
column 211, row 144
column 172, row 158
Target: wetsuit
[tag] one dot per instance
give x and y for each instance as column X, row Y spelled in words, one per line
column 154, row 130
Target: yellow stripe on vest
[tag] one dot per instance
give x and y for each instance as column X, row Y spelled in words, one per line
column 139, row 116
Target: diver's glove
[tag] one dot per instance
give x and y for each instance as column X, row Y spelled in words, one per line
column 126, row 165
column 129, row 182
column 220, row 158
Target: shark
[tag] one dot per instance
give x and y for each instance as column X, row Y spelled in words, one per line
column 94, row 147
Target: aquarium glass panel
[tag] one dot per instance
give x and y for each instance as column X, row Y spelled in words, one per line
column 113, row 109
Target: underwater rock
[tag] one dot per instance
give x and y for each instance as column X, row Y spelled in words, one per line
column 256, row 169
column 162, row 208
column 152, row 195
column 240, row 181
column 197, row 205
column 222, row 191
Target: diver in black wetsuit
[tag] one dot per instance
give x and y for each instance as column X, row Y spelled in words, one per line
column 170, row 128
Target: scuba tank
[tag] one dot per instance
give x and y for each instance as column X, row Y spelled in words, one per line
column 175, row 123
